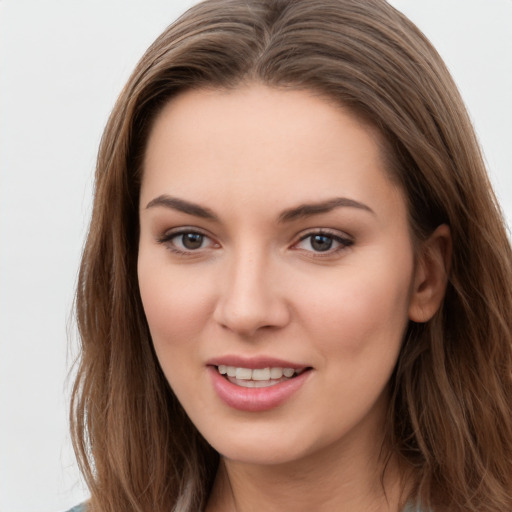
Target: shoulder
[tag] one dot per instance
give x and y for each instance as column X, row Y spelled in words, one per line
column 79, row 508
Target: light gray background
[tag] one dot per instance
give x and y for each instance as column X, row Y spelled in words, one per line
column 62, row 64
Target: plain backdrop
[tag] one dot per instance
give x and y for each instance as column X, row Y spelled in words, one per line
column 62, row 64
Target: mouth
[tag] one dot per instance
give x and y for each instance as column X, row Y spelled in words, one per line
column 256, row 384
column 258, row 377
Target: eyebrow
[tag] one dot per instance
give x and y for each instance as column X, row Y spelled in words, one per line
column 288, row 215
column 182, row 206
column 310, row 209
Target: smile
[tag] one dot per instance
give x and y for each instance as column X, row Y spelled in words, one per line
column 257, row 377
column 257, row 385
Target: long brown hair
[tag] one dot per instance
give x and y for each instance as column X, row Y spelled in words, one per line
column 450, row 418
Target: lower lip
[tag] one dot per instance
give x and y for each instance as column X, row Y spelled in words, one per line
column 255, row 399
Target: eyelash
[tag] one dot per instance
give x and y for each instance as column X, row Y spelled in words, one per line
column 344, row 242
column 167, row 240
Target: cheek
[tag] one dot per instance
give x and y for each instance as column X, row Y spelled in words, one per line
column 175, row 307
column 177, row 310
column 363, row 310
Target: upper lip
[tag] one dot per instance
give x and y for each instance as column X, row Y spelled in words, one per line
column 254, row 362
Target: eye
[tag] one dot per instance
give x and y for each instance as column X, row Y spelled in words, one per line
column 323, row 242
column 186, row 241
column 189, row 241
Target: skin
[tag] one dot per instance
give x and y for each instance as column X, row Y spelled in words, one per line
column 256, row 284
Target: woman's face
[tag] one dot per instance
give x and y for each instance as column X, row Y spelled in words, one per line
column 273, row 243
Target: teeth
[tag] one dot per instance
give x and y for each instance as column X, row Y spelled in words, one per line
column 243, row 373
column 263, row 374
column 276, row 373
column 288, row 372
column 257, row 374
column 255, row 383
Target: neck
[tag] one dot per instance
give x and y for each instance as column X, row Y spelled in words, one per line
column 321, row 482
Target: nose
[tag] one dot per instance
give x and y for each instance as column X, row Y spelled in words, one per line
column 251, row 296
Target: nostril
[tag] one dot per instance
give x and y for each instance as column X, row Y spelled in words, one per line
column 248, row 311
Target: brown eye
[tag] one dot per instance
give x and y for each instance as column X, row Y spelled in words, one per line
column 191, row 241
column 321, row 243
column 187, row 242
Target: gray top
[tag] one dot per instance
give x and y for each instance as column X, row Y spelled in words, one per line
column 82, row 508
column 78, row 508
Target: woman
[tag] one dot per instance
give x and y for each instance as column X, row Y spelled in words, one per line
column 295, row 292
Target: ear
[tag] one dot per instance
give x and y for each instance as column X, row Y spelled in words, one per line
column 431, row 275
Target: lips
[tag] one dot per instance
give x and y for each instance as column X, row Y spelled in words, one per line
column 256, row 384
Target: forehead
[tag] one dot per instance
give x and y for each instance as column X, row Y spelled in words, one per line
column 264, row 141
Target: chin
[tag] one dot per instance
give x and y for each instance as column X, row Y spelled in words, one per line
column 269, row 455
column 268, row 446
